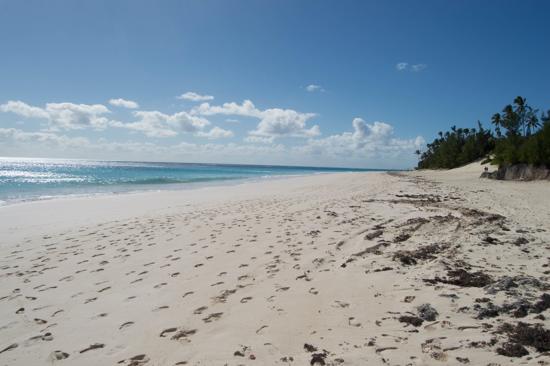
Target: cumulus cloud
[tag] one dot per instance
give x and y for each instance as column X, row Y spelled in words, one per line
column 216, row 133
column 23, row 109
column 119, row 102
column 367, row 141
column 274, row 122
column 314, row 88
column 364, row 144
column 402, row 66
column 195, row 97
column 158, row 124
column 69, row 116
column 246, row 109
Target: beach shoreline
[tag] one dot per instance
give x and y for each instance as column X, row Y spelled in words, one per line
column 329, row 268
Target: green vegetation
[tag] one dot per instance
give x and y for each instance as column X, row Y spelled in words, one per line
column 521, row 136
column 457, row 147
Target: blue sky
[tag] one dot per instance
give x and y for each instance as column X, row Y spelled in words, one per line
column 63, row 61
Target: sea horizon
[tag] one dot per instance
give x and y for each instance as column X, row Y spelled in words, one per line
column 25, row 179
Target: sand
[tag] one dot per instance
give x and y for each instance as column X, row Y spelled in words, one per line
column 327, row 269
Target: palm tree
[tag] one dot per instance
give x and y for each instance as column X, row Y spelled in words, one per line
column 520, row 102
column 497, row 121
column 510, row 120
column 532, row 123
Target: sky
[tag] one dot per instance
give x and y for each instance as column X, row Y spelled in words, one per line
column 290, row 82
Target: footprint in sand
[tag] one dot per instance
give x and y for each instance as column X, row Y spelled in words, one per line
column 200, row 310
column 168, row 330
column 352, row 322
column 58, row 355
column 9, row 348
column 93, row 347
column 164, row 307
column 184, row 333
column 125, row 325
column 136, row 360
column 244, row 300
column 212, row 317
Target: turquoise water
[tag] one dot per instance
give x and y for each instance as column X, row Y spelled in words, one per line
column 24, row 179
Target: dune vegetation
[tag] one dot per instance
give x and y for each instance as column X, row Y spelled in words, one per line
column 521, row 135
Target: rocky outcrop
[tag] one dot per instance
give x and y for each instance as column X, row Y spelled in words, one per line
column 519, row 172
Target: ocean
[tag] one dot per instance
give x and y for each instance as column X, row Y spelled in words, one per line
column 24, row 179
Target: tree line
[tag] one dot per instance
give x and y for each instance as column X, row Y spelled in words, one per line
column 521, row 135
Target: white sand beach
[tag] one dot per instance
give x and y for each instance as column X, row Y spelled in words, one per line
column 327, row 269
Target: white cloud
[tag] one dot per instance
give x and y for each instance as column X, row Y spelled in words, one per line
column 246, row 109
column 76, row 116
column 216, row 133
column 274, row 122
column 67, row 116
column 23, row 109
column 314, row 88
column 278, row 122
column 402, row 66
column 260, row 140
column 62, row 146
column 119, row 102
column 192, row 96
column 366, row 144
column 158, row 124
column 48, row 138
column 418, row 67
column 367, row 141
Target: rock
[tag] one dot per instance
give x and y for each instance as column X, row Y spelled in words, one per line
column 427, row 312
column 519, row 172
